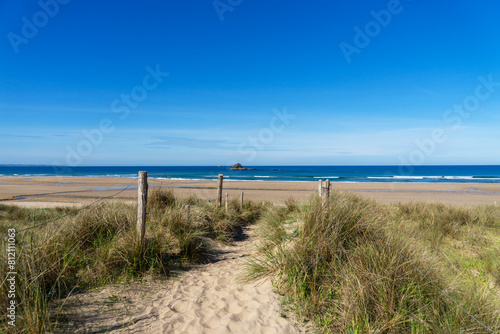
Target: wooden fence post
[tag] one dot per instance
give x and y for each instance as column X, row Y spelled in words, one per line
column 219, row 191
column 241, row 200
column 320, row 188
column 227, row 200
column 142, row 202
column 326, row 194
column 188, row 211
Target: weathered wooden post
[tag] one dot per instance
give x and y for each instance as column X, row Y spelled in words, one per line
column 142, row 202
column 227, row 200
column 320, row 187
column 326, row 194
column 241, row 203
column 219, row 191
column 188, row 211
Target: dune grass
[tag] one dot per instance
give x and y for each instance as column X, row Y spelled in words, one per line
column 98, row 246
column 346, row 269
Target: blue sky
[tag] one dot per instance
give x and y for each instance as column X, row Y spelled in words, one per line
column 235, row 67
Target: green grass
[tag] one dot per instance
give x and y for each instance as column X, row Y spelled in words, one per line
column 337, row 269
column 467, row 239
column 98, row 246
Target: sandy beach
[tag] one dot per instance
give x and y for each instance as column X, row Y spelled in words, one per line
column 54, row 191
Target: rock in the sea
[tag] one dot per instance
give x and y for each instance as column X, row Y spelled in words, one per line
column 238, row 166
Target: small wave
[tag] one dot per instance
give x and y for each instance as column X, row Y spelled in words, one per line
column 486, row 177
column 123, row 176
column 457, row 177
column 432, row 177
column 409, row 177
column 435, row 177
column 326, row 177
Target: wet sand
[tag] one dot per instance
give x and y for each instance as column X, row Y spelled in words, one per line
column 51, row 191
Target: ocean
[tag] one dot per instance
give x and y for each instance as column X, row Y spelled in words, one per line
column 425, row 174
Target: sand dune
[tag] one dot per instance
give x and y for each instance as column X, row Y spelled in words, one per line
column 207, row 299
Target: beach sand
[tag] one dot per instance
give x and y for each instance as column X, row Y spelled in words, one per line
column 52, row 191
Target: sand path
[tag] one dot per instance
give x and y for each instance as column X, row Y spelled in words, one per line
column 206, row 299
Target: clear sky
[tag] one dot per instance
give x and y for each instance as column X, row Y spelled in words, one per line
column 258, row 82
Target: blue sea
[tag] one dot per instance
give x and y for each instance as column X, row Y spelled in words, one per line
column 425, row 174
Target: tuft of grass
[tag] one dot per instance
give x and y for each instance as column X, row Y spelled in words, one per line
column 189, row 235
column 291, row 204
column 160, row 198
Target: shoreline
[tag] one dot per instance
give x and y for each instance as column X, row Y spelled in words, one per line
column 333, row 179
column 229, row 179
column 83, row 190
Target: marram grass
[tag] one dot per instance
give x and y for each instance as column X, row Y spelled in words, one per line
column 346, row 270
column 98, row 246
